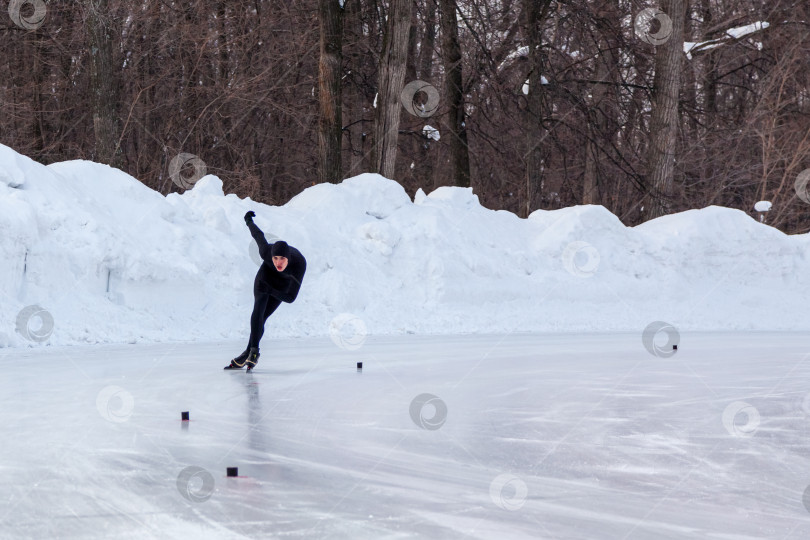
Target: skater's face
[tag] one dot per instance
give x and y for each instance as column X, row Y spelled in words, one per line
column 280, row 263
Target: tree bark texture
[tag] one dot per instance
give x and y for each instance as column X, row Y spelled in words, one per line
column 535, row 13
column 393, row 64
column 103, row 81
column 330, row 122
column 454, row 95
column 664, row 119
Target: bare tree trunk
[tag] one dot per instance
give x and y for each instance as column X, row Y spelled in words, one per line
column 411, row 124
column 428, row 42
column 393, row 63
column 710, row 78
column 454, row 95
column 38, row 89
column 664, row 119
column 103, row 81
column 596, row 129
column 354, row 41
column 330, row 92
column 535, row 13
column 601, row 119
column 424, row 167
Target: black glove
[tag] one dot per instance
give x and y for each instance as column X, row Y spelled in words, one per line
column 249, row 216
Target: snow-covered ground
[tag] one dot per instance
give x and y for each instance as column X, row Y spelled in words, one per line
column 479, row 437
column 91, row 255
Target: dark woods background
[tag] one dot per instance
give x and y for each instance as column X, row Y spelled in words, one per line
column 274, row 96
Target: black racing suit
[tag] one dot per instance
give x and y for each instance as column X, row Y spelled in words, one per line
column 271, row 287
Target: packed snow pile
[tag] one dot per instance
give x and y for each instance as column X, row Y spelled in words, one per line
column 92, row 255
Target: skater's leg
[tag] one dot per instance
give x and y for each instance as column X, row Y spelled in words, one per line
column 272, row 305
column 253, row 355
column 257, row 319
column 264, row 306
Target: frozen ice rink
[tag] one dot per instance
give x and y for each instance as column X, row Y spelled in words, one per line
column 496, row 437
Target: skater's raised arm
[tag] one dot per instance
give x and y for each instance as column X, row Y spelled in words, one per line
column 258, row 236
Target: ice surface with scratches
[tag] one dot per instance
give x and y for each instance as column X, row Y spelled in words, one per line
column 512, row 436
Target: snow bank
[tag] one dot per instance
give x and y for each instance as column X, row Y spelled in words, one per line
column 102, row 258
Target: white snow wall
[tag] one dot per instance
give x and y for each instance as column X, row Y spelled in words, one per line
column 107, row 259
